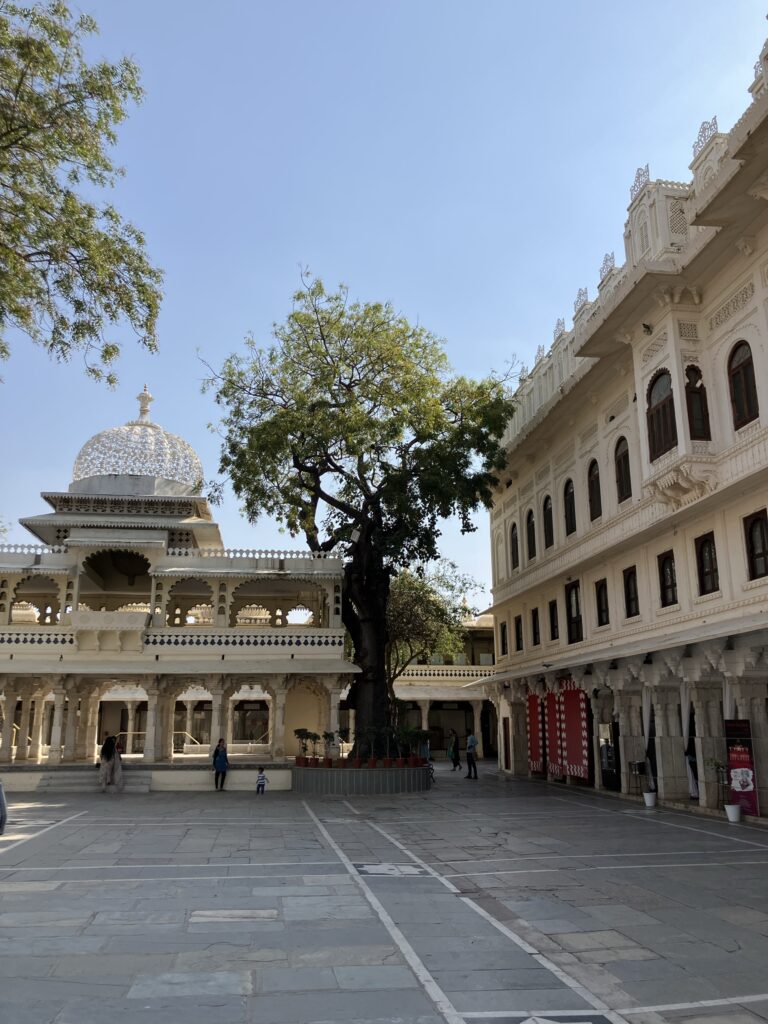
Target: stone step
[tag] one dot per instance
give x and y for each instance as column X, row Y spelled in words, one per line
column 62, row 781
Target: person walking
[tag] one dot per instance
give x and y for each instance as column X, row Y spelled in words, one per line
column 471, row 760
column 261, row 782
column 453, row 749
column 110, row 767
column 220, row 764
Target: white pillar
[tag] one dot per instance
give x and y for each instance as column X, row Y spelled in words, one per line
column 37, row 728
column 22, row 739
column 333, row 710
column 70, row 731
column 227, row 725
column 6, row 748
column 130, row 728
column 477, row 708
column 217, row 701
column 278, row 725
column 151, row 726
column 55, row 749
column 190, row 707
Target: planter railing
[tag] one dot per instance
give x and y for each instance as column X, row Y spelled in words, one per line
column 350, row 781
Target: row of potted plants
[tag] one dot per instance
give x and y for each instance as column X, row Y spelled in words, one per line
column 400, row 748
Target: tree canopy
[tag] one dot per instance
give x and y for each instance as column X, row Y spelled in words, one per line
column 351, row 429
column 70, row 267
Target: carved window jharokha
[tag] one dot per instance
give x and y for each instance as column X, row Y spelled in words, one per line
column 549, row 526
column 741, row 381
column 514, row 547
column 623, row 474
column 569, row 508
column 667, row 579
column 696, row 404
column 593, row 487
column 530, row 534
column 631, row 599
column 662, row 430
column 706, row 564
column 756, row 536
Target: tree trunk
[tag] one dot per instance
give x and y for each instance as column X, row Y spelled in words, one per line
column 364, row 613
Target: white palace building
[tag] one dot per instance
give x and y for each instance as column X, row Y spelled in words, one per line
column 630, row 531
column 131, row 617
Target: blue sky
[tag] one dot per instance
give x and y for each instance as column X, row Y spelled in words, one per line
column 469, row 162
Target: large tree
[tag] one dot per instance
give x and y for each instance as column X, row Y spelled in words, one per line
column 351, row 429
column 70, row 266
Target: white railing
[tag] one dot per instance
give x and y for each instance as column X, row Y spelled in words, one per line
column 43, row 636
column 31, row 549
column 248, row 553
column 285, row 636
column 447, row 671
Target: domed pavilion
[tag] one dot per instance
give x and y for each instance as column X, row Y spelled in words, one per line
column 131, row 617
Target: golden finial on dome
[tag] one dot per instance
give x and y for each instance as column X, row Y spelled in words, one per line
column 145, row 400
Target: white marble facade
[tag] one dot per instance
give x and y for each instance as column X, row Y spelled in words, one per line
column 629, row 533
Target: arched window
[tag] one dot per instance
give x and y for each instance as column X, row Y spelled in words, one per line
column 706, row 564
column 593, row 488
column 549, row 526
column 696, row 403
column 662, row 431
column 756, row 532
column 623, row 476
column 514, row 547
column 530, row 534
column 741, row 380
column 569, row 508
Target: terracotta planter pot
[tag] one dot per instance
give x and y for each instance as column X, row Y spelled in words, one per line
column 400, row 762
column 387, row 762
column 413, row 762
column 357, row 762
column 372, row 762
column 301, row 761
column 314, row 762
column 341, row 763
column 327, row 762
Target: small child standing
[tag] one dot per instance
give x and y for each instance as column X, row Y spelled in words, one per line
column 261, row 782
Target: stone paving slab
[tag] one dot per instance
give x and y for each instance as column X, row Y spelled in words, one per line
column 192, row 908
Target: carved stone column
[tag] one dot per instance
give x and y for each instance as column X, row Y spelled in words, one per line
column 150, row 734
column 88, row 726
column 130, row 727
column 70, row 727
column 626, row 704
column 11, row 700
column 218, row 717
column 55, row 750
column 334, row 698
column 477, row 710
column 189, row 706
column 518, row 735
column 672, row 773
column 278, row 726
column 164, row 722
column 750, row 701
column 22, row 738
column 424, row 706
column 709, row 740
column 36, row 731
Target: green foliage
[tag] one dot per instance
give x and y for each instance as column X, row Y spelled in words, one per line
column 426, row 612
column 350, row 429
column 69, row 266
column 303, row 736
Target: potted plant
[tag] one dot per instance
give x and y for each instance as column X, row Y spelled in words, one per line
column 314, row 738
column 328, row 738
column 371, row 734
column 421, row 738
column 405, row 740
column 302, row 735
column 649, row 796
column 388, row 738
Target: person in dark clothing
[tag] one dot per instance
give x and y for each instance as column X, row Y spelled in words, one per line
column 453, row 749
column 471, row 757
column 220, row 764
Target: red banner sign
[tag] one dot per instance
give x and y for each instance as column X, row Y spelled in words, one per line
column 741, row 765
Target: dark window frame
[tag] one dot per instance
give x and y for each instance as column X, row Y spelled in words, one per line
column 514, row 547
column 503, row 640
column 518, row 633
column 742, row 387
column 530, row 534
column 554, row 623
column 548, row 521
column 569, row 507
column 631, row 593
column 574, row 618
column 757, row 556
column 535, row 628
column 593, row 491
column 660, row 417
column 696, row 405
column 667, row 578
column 623, row 470
column 706, row 564
column 601, row 603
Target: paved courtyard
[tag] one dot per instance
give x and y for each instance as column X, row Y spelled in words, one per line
column 479, row 902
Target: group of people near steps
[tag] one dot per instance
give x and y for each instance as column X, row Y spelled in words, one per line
column 221, row 767
column 454, row 754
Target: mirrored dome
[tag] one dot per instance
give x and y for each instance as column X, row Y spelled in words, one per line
column 137, row 458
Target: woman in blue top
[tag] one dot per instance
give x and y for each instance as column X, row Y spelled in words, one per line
column 220, row 763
